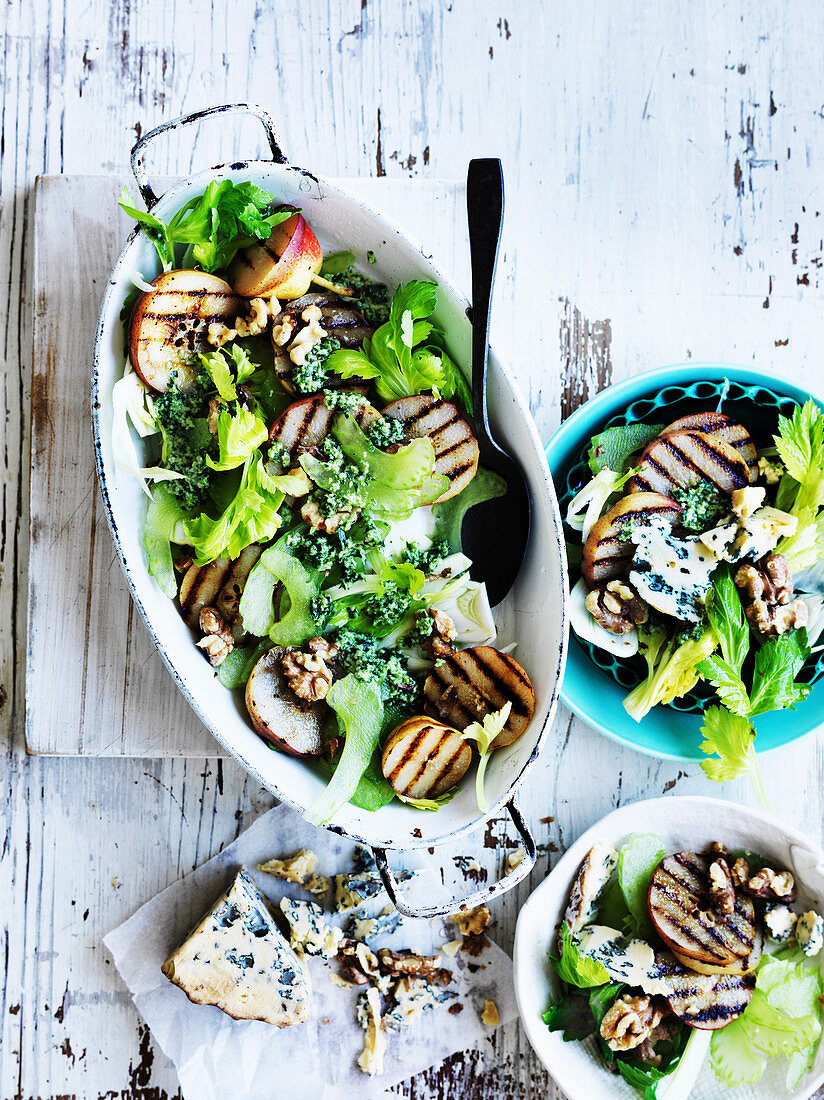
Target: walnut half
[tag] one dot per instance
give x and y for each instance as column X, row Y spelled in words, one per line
column 766, row 590
column 617, row 607
column 439, row 642
column 629, row 1021
column 722, row 893
column 307, row 671
column 217, row 641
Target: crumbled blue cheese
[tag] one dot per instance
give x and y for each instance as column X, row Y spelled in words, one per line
column 809, row 933
column 672, row 575
column 310, row 934
column 296, row 868
column 779, row 922
column 594, row 873
column 370, row 1059
column 749, row 534
column 630, row 961
column 413, row 997
column 747, row 500
column 367, row 928
column 353, row 891
column 237, row 960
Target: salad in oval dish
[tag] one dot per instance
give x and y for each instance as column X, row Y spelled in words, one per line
column 308, row 451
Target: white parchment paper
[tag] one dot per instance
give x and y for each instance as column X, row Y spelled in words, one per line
column 217, row 1056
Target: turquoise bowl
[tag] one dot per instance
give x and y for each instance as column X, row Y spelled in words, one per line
column 591, row 691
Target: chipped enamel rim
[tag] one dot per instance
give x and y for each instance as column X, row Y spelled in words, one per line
column 339, row 200
column 579, row 1073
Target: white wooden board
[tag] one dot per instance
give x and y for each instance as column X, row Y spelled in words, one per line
column 96, row 686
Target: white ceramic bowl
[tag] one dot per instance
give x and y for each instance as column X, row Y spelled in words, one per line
column 689, row 822
column 533, row 615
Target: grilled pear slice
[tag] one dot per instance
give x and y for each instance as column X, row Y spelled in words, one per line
column 169, row 325
column 709, row 1001
column 687, row 457
column 456, row 448
column 723, row 427
column 466, row 685
column 339, row 320
column 200, row 587
column 275, row 712
column 306, row 423
column 424, row 758
column 606, row 555
column 283, row 265
column 700, row 938
column 220, row 585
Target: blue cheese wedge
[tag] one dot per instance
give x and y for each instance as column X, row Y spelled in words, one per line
column 809, row 933
column 309, row 933
column 630, row 961
column 237, row 960
column 672, row 575
column 593, row 875
column 779, row 923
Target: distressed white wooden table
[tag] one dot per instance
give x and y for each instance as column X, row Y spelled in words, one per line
column 663, row 167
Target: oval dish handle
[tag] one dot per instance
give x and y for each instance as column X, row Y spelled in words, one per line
column 479, row 897
column 138, row 150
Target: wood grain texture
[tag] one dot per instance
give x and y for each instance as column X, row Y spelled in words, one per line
column 664, row 167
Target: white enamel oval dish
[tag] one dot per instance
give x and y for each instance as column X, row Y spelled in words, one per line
column 692, row 822
column 533, row 615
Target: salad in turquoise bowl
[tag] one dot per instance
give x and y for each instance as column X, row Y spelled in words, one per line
column 694, row 506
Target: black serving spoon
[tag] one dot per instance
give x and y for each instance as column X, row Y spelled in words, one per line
column 495, row 532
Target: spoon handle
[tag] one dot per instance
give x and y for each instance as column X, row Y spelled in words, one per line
column 485, row 209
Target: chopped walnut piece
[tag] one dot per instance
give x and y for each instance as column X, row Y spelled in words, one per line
column 359, row 965
column 256, row 322
column 617, row 607
column 771, row 885
column 217, row 642
column 514, row 860
column 410, row 965
column 439, row 643
column 312, row 333
column 307, row 671
column 717, row 849
column 740, row 873
column 722, row 894
column 282, row 332
column 326, row 524
column 629, row 1021
column 472, row 922
column 766, row 590
column 219, row 334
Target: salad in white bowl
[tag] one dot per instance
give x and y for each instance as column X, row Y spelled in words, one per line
column 676, row 951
